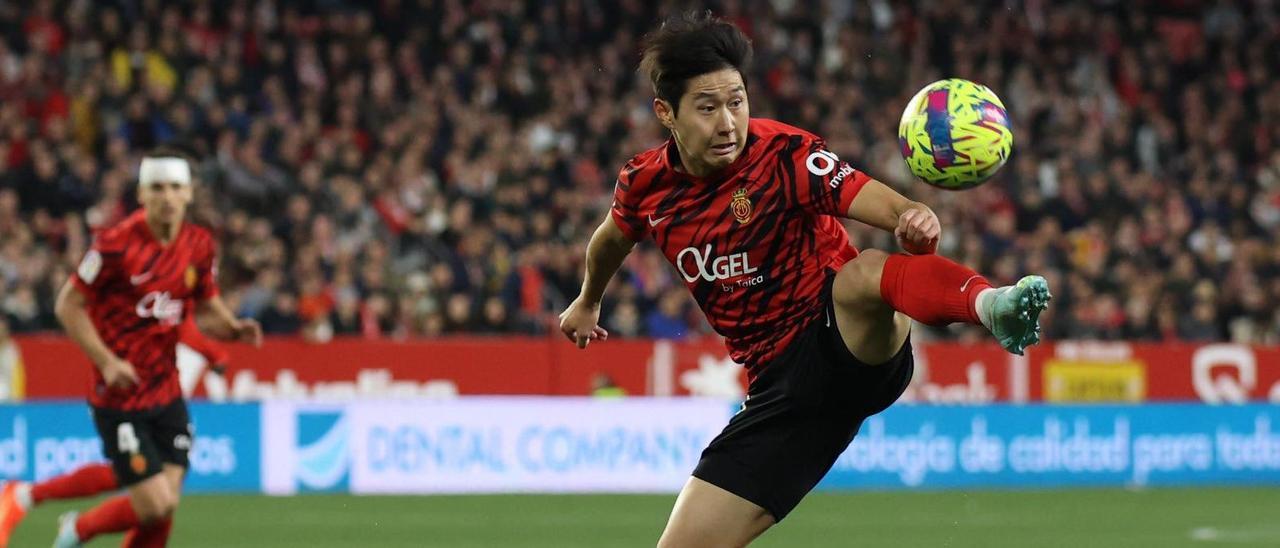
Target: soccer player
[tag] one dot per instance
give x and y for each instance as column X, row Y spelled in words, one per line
column 123, row 306
column 745, row 209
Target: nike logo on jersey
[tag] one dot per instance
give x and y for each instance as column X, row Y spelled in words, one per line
column 654, row 222
column 139, row 279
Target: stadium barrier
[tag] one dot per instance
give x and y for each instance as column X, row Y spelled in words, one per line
column 42, row 440
column 487, row 445
column 945, row 372
column 543, row 444
column 1043, row 445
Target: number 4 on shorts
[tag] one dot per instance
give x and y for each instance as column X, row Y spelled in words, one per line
column 126, row 439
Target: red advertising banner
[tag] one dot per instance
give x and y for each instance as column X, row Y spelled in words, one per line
column 1213, row 373
column 945, row 372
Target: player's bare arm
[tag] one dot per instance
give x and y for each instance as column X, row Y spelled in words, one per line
column 580, row 321
column 227, row 326
column 913, row 223
column 71, row 312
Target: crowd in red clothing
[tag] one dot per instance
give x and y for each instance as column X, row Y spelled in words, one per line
column 416, row 168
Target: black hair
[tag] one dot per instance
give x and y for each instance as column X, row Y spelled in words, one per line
column 689, row 45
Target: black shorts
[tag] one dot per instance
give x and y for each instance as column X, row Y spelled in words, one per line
column 801, row 413
column 138, row 443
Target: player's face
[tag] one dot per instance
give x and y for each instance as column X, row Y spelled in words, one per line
column 164, row 201
column 711, row 127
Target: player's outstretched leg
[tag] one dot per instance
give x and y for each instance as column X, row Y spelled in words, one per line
column 707, row 516
column 19, row 496
column 154, row 532
column 934, row 290
column 113, row 515
column 146, row 508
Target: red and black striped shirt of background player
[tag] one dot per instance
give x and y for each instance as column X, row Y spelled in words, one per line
column 754, row 242
column 137, row 291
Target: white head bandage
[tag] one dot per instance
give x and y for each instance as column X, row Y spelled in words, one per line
column 166, row 170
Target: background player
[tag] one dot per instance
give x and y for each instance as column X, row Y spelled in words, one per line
column 745, row 210
column 123, row 306
column 92, row 479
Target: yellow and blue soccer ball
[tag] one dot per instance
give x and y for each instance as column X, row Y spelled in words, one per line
column 955, row 134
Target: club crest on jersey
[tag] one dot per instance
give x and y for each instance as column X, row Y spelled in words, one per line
column 741, row 206
column 189, row 277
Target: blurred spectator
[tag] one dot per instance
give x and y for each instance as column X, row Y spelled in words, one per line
column 12, row 376
column 22, row 312
column 474, row 145
column 625, row 320
column 494, row 318
column 459, row 315
column 377, row 320
column 345, row 317
column 669, row 319
column 603, row 386
column 281, row 318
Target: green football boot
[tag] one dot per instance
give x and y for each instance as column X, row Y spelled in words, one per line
column 1015, row 312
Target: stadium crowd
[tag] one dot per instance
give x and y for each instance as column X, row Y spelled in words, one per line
column 413, row 168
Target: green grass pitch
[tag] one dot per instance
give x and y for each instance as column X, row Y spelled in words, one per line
column 1200, row 517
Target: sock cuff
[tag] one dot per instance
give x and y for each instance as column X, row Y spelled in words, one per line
column 22, row 492
column 975, row 289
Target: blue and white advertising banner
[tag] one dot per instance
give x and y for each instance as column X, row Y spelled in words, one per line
column 42, row 440
column 1054, row 446
column 227, row 453
column 488, row 445
column 533, row 444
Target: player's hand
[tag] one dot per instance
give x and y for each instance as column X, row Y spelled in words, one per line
column 580, row 323
column 118, row 373
column 247, row 330
column 918, row 231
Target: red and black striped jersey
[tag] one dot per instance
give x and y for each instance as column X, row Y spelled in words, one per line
column 754, row 242
column 137, row 291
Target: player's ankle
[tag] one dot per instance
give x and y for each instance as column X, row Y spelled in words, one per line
column 22, row 493
column 982, row 305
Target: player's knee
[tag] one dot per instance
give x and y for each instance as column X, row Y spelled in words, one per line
column 857, row 285
column 174, row 499
column 155, row 504
column 165, row 507
column 150, row 510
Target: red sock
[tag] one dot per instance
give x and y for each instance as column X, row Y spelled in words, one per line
column 151, row 535
column 931, row 289
column 112, row 516
column 85, row 481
